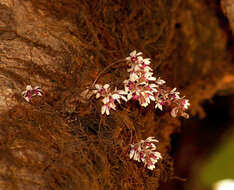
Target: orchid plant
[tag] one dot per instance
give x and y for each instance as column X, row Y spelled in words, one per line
column 143, row 87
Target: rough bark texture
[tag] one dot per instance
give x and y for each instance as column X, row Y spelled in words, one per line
column 228, row 9
column 58, row 141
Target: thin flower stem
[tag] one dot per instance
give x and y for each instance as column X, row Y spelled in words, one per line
column 105, row 69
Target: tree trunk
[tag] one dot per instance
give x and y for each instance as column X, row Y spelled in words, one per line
column 59, row 140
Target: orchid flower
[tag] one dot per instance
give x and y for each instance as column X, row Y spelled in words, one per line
column 30, row 92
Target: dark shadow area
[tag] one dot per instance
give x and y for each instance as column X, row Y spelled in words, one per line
column 198, row 139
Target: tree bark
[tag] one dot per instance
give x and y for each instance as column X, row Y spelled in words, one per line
column 60, row 141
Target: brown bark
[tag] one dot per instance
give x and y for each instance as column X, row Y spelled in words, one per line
column 58, row 141
column 228, row 9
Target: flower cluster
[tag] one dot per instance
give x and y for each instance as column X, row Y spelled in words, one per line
column 109, row 97
column 145, row 151
column 143, row 87
column 30, row 92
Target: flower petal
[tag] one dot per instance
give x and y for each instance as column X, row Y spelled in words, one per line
column 103, row 109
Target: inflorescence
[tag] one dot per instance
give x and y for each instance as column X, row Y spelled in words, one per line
column 145, row 151
column 143, row 87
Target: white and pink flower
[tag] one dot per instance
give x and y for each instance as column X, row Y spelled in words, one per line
column 109, row 97
column 134, row 56
column 101, row 91
column 30, row 92
column 109, row 103
column 181, row 105
column 145, row 151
